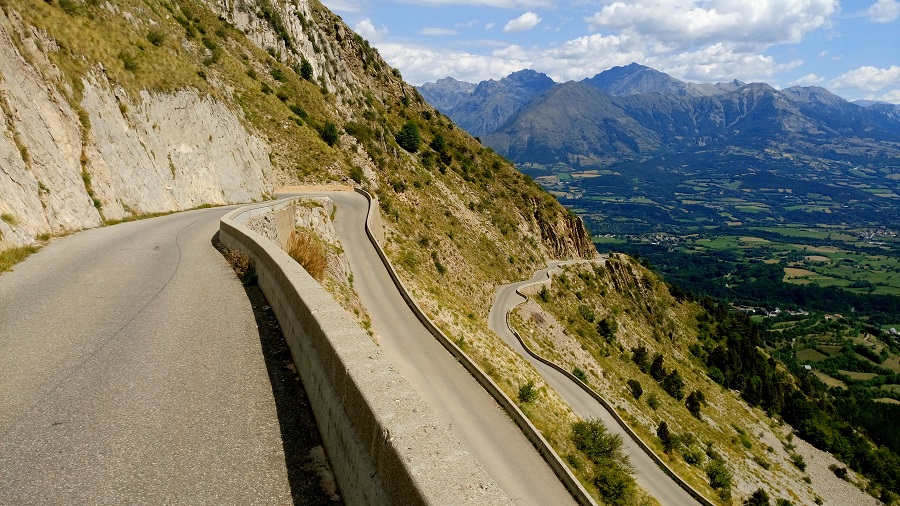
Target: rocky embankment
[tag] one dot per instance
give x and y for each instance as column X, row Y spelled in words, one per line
column 68, row 165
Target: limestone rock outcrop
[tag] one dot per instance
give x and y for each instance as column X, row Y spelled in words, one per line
column 66, row 166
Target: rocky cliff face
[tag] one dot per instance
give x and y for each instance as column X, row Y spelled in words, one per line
column 64, row 169
column 114, row 110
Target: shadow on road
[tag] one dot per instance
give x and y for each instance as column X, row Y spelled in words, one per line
column 310, row 480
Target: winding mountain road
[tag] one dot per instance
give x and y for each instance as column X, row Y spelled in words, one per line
column 476, row 419
column 131, row 372
column 647, row 473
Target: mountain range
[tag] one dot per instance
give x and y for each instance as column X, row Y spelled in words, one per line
column 635, row 112
column 664, row 138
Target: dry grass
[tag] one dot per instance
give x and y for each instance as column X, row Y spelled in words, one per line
column 308, row 251
column 242, row 265
column 12, row 256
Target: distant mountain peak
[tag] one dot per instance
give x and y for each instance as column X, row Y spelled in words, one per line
column 635, row 79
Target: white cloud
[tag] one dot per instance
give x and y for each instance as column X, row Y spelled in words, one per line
column 884, row 11
column 368, row 30
column 350, row 6
column 524, row 22
column 500, row 4
column 437, row 32
column 584, row 57
column 808, row 80
column 721, row 62
column 688, row 22
column 420, row 64
column 891, row 96
column 490, row 26
column 870, row 79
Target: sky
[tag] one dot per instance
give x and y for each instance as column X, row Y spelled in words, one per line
column 852, row 48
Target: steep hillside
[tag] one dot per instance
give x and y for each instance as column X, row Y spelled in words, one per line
column 116, row 110
column 608, row 325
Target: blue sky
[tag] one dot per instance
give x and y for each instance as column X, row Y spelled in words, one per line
column 850, row 47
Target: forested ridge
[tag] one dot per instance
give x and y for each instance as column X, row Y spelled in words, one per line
column 725, row 276
column 858, row 431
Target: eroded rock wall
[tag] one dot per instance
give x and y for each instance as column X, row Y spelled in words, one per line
column 123, row 155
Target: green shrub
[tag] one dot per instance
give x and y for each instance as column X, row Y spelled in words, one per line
column 613, row 471
column 438, row 143
column 641, row 357
column 615, row 484
column 544, row 294
column 156, row 37
column 329, row 133
column 692, row 455
column 657, row 369
column 798, row 461
column 587, row 313
column 673, row 385
column 356, row 174
column 527, row 392
column 634, row 386
column 580, row 374
column 277, row 74
column 719, row 475
column 592, row 438
column 667, row 439
column 759, row 498
column 607, row 328
column 693, row 403
column 296, row 109
column 306, row 69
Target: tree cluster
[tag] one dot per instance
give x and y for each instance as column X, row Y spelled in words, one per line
column 612, row 467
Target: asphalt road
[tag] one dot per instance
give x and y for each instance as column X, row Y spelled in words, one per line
column 647, row 474
column 476, row 419
column 131, row 372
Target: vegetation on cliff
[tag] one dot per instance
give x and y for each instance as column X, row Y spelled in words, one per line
column 694, row 379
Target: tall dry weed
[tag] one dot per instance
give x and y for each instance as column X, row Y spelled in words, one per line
column 308, row 252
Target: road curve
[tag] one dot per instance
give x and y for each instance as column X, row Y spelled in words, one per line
column 477, row 420
column 131, row 372
column 647, row 473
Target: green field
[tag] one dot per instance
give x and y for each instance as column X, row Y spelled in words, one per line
column 810, row 355
column 859, row 376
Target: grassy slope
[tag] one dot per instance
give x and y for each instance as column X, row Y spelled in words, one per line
column 646, row 314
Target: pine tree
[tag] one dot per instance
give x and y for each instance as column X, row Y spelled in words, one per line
column 408, row 137
column 665, row 437
column 674, row 385
column 693, row 403
column 657, row 370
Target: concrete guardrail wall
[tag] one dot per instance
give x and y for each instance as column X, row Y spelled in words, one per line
column 603, row 402
column 385, row 444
